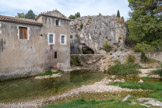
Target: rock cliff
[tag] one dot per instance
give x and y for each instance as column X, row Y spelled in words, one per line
column 89, row 33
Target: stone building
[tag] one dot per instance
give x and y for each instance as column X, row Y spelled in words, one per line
column 29, row 47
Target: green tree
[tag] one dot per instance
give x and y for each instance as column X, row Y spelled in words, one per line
column 118, row 14
column 30, row 15
column 145, row 25
column 72, row 17
column 20, row 15
column 77, row 15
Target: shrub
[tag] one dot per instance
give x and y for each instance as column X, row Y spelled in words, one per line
column 123, row 69
column 75, row 61
column 81, row 26
column 143, row 47
column 144, row 58
column 107, row 47
column 117, row 62
column 130, row 59
column 158, row 72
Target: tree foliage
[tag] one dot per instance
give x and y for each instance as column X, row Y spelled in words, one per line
column 30, row 15
column 145, row 24
column 77, row 15
column 20, row 15
column 118, row 14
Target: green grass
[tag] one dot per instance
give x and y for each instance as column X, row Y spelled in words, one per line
column 81, row 103
column 154, row 86
column 49, row 72
column 124, row 69
column 158, row 72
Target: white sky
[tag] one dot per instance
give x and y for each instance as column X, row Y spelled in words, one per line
column 67, row 7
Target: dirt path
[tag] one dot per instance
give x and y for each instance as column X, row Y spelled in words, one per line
column 101, row 86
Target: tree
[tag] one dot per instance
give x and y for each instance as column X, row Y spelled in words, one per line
column 145, row 25
column 30, row 15
column 77, row 15
column 20, row 15
column 72, row 17
column 118, row 14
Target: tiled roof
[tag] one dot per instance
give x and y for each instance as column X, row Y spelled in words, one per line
column 19, row 20
column 51, row 16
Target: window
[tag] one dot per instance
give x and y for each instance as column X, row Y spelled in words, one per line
column 57, row 23
column 63, row 39
column 51, row 38
column 22, row 32
column 55, row 55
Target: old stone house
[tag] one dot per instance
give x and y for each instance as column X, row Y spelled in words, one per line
column 29, row 47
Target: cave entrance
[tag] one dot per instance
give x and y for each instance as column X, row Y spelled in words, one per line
column 87, row 50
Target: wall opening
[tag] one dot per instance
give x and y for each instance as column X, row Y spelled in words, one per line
column 87, row 50
column 55, row 55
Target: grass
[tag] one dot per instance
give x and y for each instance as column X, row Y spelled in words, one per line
column 49, row 72
column 123, row 69
column 158, row 72
column 81, row 103
column 154, row 86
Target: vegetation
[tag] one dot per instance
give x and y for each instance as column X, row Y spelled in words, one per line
column 75, row 61
column 158, row 72
column 77, row 15
column 20, row 15
column 130, row 59
column 81, row 26
column 143, row 47
column 107, row 47
column 29, row 15
column 81, row 103
column 118, row 14
column 49, row 72
column 154, row 86
column 144, row 58
column 145, row 25
column 123, row 69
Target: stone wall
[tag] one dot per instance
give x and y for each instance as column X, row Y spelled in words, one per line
column 93, row 31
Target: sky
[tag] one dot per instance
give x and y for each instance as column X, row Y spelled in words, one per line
column 67, row 7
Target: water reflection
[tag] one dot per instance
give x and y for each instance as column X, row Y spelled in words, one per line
column 30, row 88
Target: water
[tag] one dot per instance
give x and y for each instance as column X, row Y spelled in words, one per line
column 30, row 88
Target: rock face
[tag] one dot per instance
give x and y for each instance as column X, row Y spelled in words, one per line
column 89, row 33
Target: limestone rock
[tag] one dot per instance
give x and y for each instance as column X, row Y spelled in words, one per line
column 93, row 31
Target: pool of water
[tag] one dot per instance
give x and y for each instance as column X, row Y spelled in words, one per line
column 30, row 88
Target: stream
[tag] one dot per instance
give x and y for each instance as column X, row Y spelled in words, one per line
column 29, row 88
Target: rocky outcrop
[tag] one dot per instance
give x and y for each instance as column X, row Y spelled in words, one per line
column 89, row 33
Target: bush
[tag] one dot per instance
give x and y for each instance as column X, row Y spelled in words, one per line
column 144, row 58
column 143, row 47
column 75, row 61
column 81, row 26
column 123, row 69
column 107, row 47
column 158, row 72
column 130, row 59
